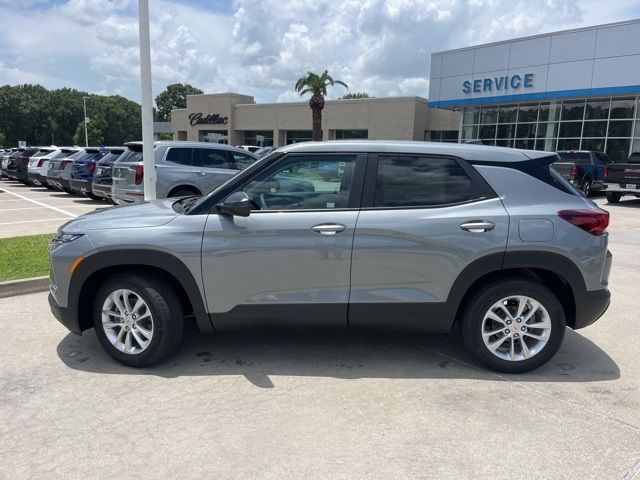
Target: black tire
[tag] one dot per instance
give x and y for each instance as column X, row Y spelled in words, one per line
column 586, row 185
column 166, row 309
column 613, row 197
column 93, row 196
column 69, row 191
column 475, row 309
column 183, row 192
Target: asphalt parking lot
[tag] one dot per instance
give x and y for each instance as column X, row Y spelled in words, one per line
column 309, row 405
column 28, row 210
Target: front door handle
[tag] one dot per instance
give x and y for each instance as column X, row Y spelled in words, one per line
column 478, row 226
column 202, row 172
column 328, row 228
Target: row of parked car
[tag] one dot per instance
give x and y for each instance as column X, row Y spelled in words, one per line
column 115, row 173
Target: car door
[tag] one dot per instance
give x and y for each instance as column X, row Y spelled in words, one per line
column 289, row 261
column 175, row 170
column 424, row 219
column 212, row 167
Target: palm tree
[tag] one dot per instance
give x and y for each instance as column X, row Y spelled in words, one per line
column 317, row 86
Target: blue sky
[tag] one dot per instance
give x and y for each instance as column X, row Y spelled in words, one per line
column 260, row 47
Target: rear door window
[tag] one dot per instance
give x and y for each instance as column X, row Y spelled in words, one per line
column 179, row 156
column 213, row 158
column 414, row 181
column 242, row 160
column 576, row 157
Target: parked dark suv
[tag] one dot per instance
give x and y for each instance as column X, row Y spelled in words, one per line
column 406, row 235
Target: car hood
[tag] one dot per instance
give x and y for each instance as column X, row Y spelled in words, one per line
column 137, row 215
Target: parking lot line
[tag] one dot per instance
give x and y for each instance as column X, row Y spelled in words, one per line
column 73, row 215
column 34, row 221
column 22, row 208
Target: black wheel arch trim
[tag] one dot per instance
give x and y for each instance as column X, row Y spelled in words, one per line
column 141, row 257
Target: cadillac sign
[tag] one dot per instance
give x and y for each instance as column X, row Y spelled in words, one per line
column 199, row 119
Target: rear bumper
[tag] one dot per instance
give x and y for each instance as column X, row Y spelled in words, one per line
column 66, row 316
column 617, row 188
column 590, row 306
column 36, row 177
column 101, row 190
column 123, row 196
column 79, row 185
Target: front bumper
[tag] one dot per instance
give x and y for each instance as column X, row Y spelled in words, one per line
column 66, row 316
column 590, row 306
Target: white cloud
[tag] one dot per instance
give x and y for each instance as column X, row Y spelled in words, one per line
column 382, row 47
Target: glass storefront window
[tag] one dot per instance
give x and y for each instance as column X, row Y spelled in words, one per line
column 528, row 144
column 508, row 114
column 528, row 113
column 570, row 129
column 470, row 133
column 618, row 149
column 636, row 132
column 548, row 145
column 620, row 128
column 547, row 130
column 568, row 143
column 596, row 144
column 251, row 137
column 487, row 132
column 508, row 142
column 488, row 115
column 595, row 129
column 549, row 112
column 353, row 134
column 636, row 145
column 622, row 108
column 597, row 109
column 507, row 131
column 573, row 110
column 470, row 116
column 526, row 130
column 297, row 136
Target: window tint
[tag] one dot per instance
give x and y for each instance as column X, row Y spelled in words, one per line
column 210, row 158
column 420, row 181
column 181, row 156
column 312, row 183
column 242, row 159
column 577, row 157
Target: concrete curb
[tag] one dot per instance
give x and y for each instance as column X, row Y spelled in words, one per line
column 21, row 287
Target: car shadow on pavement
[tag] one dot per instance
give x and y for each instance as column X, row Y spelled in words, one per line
column 260, row 355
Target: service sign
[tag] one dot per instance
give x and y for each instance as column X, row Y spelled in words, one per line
column 498, row 84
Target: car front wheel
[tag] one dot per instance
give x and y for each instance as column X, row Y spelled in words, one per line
column 513, row 325
column 138, row 319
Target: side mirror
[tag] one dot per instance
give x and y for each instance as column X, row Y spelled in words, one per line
column 237, row 204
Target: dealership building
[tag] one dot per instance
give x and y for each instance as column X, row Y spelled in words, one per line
column 238, row 120
column 575, row 89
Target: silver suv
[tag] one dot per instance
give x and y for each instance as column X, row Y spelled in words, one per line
column 182, row 168
column 490, row 242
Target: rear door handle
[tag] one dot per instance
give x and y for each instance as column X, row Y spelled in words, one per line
column 328, row 228
column 478, row 226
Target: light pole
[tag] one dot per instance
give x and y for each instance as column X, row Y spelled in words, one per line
column 86, row 135
column 148, row 160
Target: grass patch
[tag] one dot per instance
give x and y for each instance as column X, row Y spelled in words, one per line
column 24, row 257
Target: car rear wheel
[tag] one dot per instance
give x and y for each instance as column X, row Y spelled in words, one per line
column 513, row 325
column 613, row 197
column 138, row 319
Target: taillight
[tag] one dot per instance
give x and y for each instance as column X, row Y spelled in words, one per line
column 574, row 170
column 41, row 162
column 139, row 172
column 606, row 172
column 593, row 221
column 91, row 166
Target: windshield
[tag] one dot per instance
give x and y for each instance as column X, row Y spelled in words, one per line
column 130, row 156
column 576, row 157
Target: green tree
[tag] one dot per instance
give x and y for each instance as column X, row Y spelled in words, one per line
column 174, row 96
column 94, row 135
column 3, row 140
column 316, row 85
column 349, row 96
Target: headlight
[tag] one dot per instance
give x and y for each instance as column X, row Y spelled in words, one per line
column 62, row 237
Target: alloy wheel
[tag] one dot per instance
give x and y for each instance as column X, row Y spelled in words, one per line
column 516, row 328
column 127, row 321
